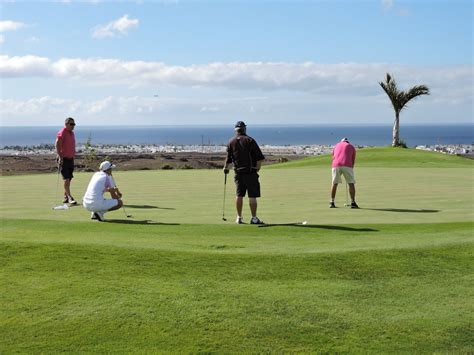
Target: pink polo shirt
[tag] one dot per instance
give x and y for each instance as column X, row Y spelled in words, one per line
column 68, row 143
column 343, row 154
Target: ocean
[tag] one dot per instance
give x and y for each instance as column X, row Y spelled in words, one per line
column 219, row 135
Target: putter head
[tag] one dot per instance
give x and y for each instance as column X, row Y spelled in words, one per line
column 224, row 219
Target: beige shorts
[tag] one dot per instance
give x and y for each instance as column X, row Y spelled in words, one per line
column 101, row 205
column 343, row 170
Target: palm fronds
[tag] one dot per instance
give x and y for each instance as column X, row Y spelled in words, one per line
column 399, row 99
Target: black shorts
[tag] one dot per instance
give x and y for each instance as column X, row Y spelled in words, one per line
column 247, row 182
column 67, row 168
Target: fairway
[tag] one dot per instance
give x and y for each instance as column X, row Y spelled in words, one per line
column 394, row 275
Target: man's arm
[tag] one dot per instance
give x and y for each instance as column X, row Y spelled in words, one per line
column 113, row 189
column 58, row 145
column 257, row 153
column 228, row 160
column 115, row 193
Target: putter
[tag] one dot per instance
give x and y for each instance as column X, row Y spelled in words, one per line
column 223, row 203
column 125, row 212
column 123, row 207
column 347, row 204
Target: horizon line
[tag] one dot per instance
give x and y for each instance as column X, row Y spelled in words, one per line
column 349, row 124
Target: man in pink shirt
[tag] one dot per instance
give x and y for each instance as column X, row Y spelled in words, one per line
column 66, row 151
column 343, row 160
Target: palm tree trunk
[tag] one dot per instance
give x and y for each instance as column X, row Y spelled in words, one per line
column 396, row 131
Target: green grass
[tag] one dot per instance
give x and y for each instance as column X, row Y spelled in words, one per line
column 388, row 157
column 394, row 276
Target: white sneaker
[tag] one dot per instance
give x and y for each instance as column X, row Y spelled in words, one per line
column 239, row 220
column 93, row 216
column 255, row 220
column 100, row 216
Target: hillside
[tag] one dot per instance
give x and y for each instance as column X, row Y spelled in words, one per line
column 388, row 157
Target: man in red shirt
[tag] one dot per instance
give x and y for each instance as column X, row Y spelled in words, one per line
column 66, row 151
column 343, row 160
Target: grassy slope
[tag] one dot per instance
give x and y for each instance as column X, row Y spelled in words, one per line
column 90, row 298
column 388, row 158
column 381, row 279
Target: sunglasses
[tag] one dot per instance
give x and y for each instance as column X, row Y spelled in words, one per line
column 71, row 124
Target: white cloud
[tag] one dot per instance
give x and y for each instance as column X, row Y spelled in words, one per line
column 99, row 106
column 25, row 66
column 10, row 25
column 387, row 4
column 275, row 107
column 41, row 105
column 209, row 109
column 277, row 110
column 350, row 79
column 119, row 27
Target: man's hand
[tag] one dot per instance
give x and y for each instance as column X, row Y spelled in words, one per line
column 115, row 193
column 59, row 160
column 226, row 171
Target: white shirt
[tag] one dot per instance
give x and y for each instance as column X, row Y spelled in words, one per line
column 99, row 183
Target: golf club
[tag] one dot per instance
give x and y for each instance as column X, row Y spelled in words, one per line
column 123, row 207
column 223, row 203
column 347, row 198
column 126, row 215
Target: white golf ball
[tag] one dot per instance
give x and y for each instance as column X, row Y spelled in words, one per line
column 304, row 222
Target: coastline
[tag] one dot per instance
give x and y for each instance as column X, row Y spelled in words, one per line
column 297, row 149
column 20, row 160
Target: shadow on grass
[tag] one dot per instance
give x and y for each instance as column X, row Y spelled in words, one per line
column 400, row 210
column 143, row 222
column 320, row 226
column 149, row 207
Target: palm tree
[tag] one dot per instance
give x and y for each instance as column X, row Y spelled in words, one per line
column 399, row 100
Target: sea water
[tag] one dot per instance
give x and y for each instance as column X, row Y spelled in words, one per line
column 219, row 135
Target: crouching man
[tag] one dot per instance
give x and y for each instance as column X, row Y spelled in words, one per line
column 101, row 182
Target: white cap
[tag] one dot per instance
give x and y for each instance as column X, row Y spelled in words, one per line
column 106, row 165
column 345, row 140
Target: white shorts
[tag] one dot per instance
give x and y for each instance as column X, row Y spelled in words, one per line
column 101, row 205
column 343, row 170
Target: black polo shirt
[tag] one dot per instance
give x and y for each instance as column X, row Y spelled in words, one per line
column 244, row 152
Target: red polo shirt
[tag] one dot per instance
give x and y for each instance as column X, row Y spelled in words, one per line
column 68, row 143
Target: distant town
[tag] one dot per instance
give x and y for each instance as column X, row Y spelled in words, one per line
column 313, row 149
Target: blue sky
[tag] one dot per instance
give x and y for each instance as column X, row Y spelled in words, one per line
column 215, row 62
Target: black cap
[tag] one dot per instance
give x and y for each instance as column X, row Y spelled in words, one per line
column 240, row 124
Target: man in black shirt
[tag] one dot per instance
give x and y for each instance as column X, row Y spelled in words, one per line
column 245, row 154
